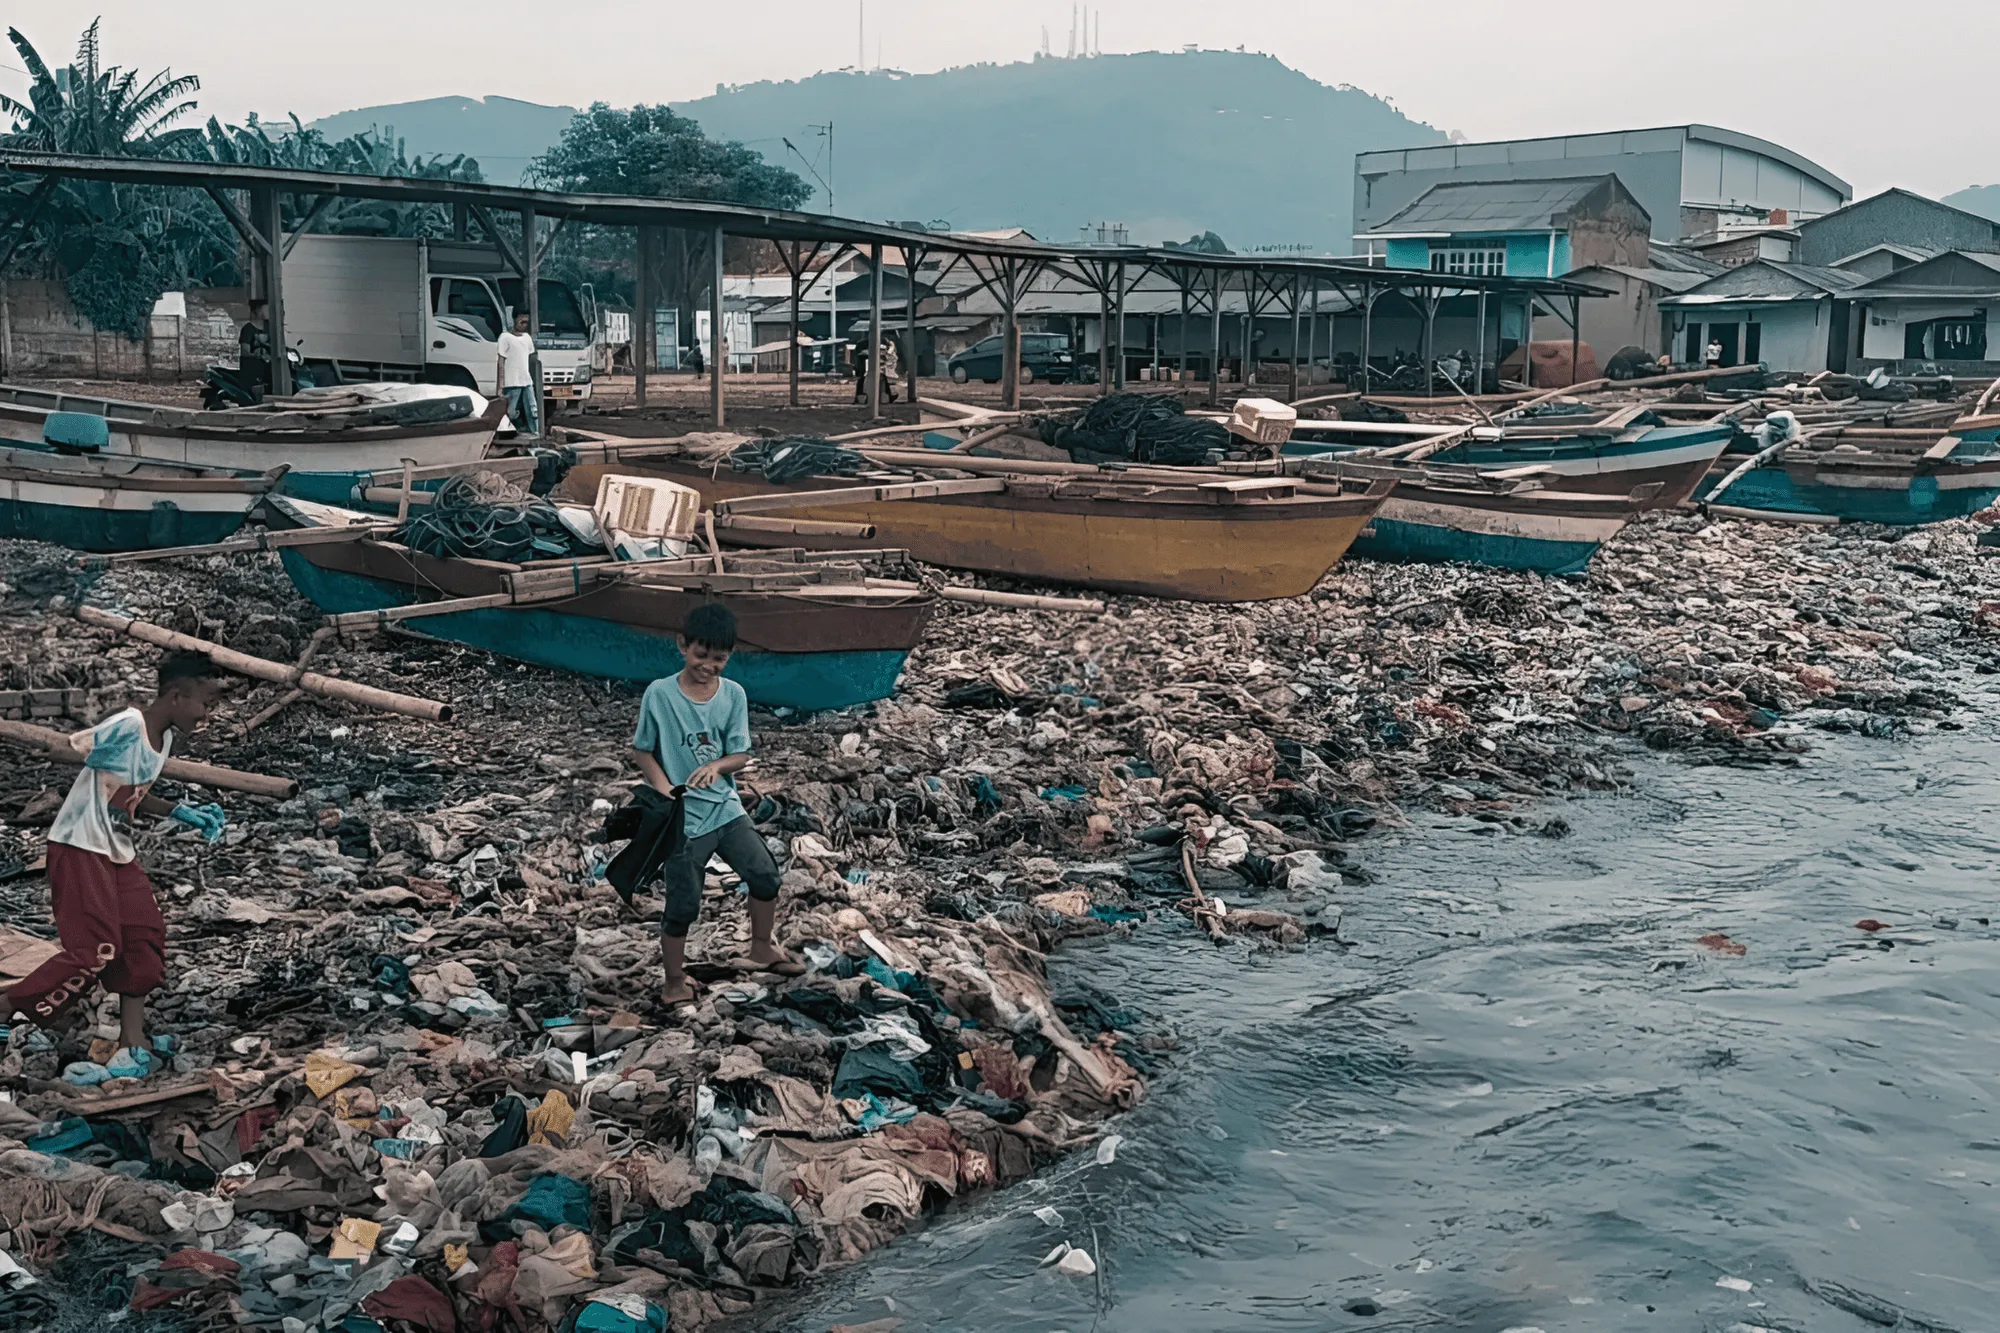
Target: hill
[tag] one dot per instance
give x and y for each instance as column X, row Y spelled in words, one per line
column 504, row 134
column 1981, row 199
column 1169, row 144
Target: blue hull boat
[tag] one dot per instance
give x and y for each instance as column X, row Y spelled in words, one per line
column 812, row 647
column 109, row 505
column 1675, row 458
column 1957, row 477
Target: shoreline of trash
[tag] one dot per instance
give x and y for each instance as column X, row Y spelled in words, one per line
column 362, row 975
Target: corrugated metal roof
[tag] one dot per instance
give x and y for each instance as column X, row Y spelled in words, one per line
column 1666, row 279
column 1771, row 279
column 1674, row 259
column 1490, row 206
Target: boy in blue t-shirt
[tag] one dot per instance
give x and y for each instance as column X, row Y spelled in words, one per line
column 694, row 737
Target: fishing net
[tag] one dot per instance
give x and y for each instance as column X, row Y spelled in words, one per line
column 482, row 515
column 1138, row 428
column 796, row 457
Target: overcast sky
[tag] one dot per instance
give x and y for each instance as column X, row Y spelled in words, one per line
column 1880, row 95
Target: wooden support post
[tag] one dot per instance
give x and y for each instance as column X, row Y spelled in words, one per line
column 269, row 259
column 1430, row 339
column 1103, row 341
column 1367, row 335
column 1312, row 335
column 641, row 346
column 718, row 346
column 1293, row 396
column 531, row 305
column 792, row 346
column 1118, row 326
column 876, row 373
column 1180, row 362
column 1215, row 338
column 1575, row 338
column 1479, row 362
column 911, row 258
column 1010, row 336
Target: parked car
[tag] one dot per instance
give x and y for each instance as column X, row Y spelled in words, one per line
column 1044, row 356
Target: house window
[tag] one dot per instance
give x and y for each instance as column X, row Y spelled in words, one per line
column 1479, row 261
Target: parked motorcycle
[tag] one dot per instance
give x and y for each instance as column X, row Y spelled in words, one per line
column 224, row 387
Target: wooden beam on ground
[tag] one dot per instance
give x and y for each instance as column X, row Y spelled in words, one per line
column 55, row 745
column 259, row 668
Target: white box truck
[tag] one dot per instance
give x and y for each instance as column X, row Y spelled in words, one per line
column 390, row 308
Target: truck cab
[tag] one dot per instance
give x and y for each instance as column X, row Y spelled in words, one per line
column 470, row 311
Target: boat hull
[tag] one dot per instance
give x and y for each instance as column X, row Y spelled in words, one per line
column 325, row 464
column 1543, row 537
column 161, row 523
column 1675, row 457
column 1251, row 551
column 88, row 504
column 1868, row 495
column 791, row 652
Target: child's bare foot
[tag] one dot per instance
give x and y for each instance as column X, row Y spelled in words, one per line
column 773, row 958
column 677, row 992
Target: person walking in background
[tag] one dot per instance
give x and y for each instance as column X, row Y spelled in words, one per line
column 858, row 357
column 890, row 365
column 516, row 377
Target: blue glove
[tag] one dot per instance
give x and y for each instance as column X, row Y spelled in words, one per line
column 208, row 819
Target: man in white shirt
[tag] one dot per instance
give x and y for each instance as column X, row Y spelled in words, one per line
column 516, row 377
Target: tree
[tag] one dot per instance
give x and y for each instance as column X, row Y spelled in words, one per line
column 655, row 152
column 372, row 152
column 105, row 238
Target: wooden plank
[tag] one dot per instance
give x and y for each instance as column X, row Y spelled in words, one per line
column 55, row 745
column 848, row 495
column 1244, row 485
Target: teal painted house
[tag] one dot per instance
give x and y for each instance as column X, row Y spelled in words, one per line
column 1516, row 229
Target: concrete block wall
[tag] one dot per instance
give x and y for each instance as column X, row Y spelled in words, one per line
column 41, row 333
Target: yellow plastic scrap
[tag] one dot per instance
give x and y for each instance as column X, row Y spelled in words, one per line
column 456, row 1257
column 550, row 1121
column 354, row 1238
column 324, row 1073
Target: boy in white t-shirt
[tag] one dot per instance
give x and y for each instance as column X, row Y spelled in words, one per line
column 517, row 376
column 106, row 916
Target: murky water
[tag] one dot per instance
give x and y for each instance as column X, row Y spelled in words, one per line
column 1527, row 1098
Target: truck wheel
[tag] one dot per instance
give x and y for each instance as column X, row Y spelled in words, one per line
column 1027, row 374
column 456, row 376
column 958, row 375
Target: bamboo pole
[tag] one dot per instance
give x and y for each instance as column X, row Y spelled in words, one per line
column 981, row 597
column 973, row 441
column 845, row 495
column 353, row 621
column 1082, row 606
column 796, row 527
column 263, row 669
column 56, row 746
column 265, row 540
column 1770, row 515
